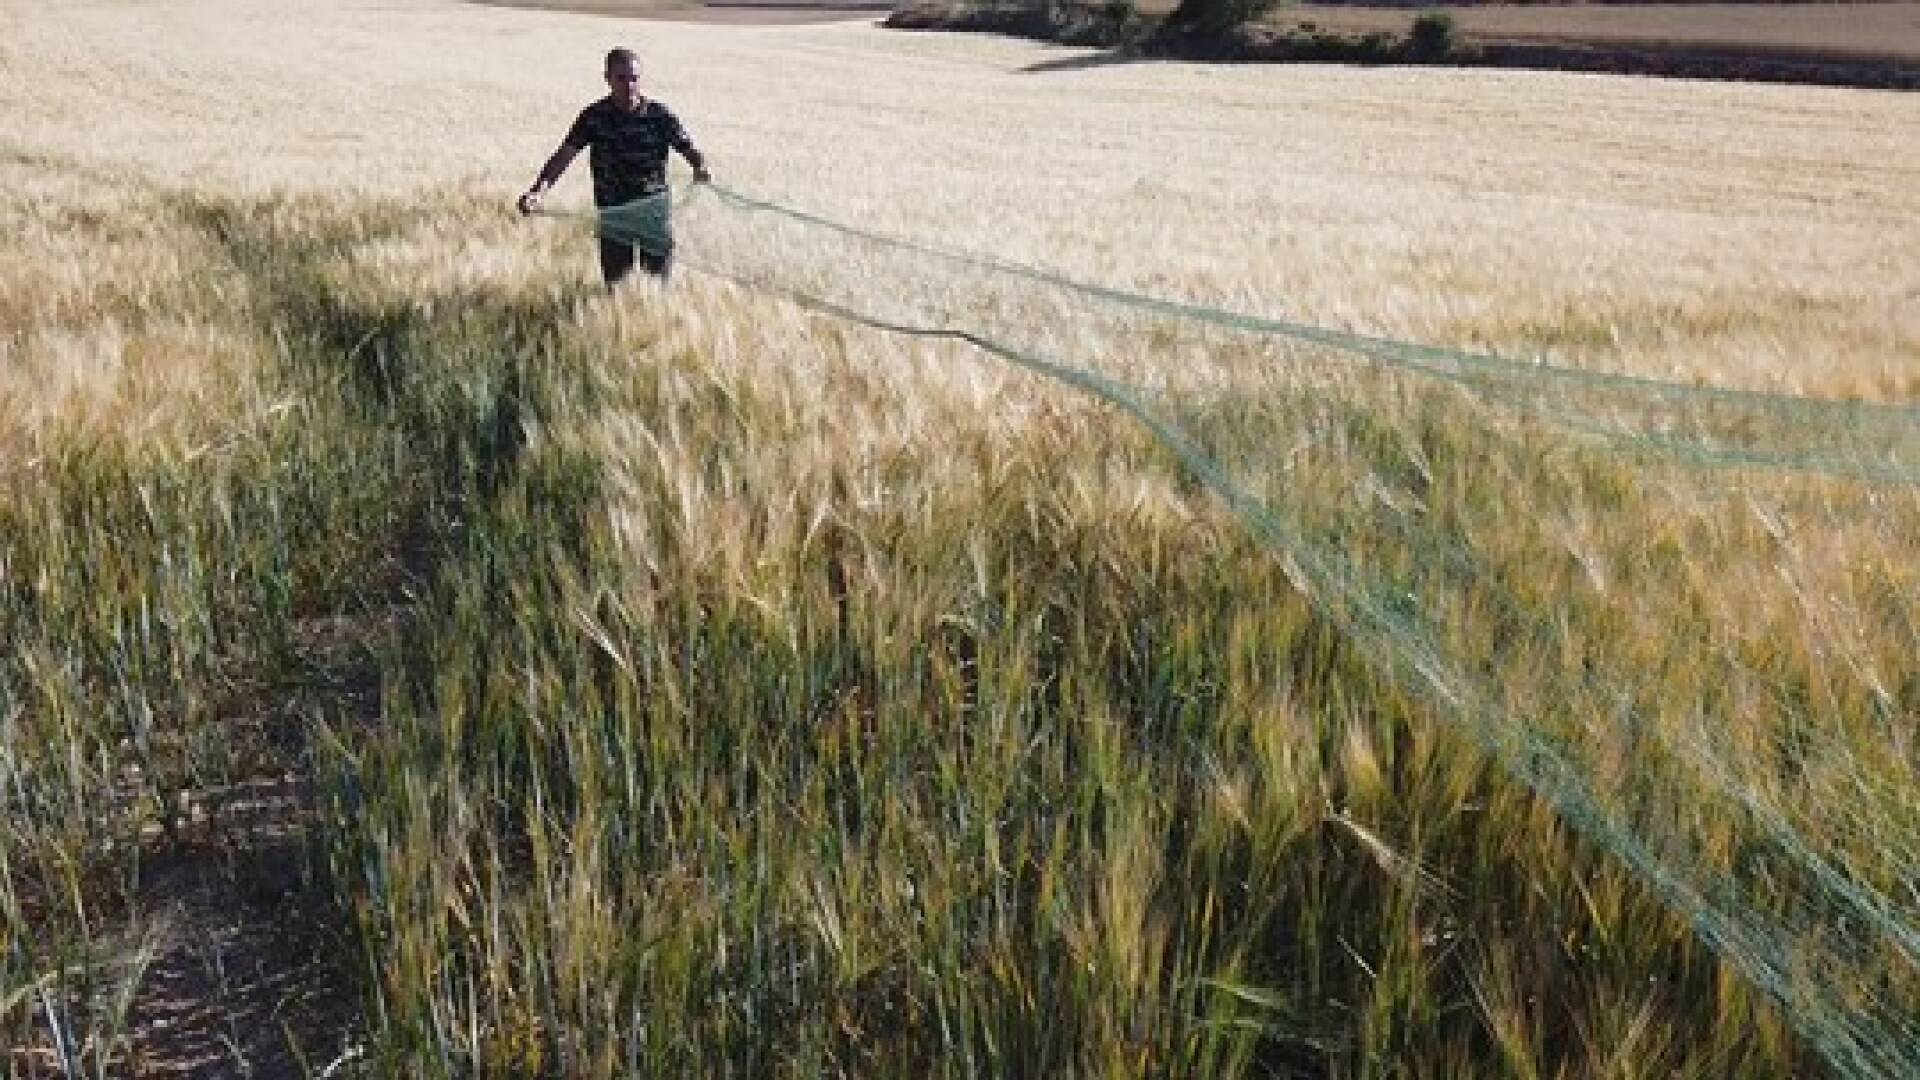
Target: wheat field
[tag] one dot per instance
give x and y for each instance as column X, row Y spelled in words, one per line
column 418, row 661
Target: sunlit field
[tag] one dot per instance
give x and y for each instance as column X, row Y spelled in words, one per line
column 688, row 682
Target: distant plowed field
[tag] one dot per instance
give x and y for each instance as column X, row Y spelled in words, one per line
column 735, row 12
column 1891, row 30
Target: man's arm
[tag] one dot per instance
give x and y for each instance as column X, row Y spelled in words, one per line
column 677, row 138
column 550, row 174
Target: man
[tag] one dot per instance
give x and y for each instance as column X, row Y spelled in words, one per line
column 630, row 135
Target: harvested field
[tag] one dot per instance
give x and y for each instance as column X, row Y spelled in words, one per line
column 1838, row 30
column 725, row 13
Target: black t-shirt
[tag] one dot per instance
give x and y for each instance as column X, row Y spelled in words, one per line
column 629, row 148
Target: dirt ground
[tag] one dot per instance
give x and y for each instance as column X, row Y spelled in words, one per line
column 734, row 13
column 1860, row 29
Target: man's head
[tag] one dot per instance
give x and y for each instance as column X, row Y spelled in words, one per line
column 623, row 76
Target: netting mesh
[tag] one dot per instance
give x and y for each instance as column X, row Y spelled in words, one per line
column 1687, row 618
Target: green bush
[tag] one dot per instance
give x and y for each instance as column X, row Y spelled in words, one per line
column 1211, row 18
column 1093, row 22
column 1434, row 36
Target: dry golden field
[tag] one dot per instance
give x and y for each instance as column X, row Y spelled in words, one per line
column 421, row 662
column 1757, row 236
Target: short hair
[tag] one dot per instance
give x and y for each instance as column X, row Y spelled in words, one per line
column 621, row 55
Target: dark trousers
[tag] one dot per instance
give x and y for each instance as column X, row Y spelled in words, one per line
column 617, row 261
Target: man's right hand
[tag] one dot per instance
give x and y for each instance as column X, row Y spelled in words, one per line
column 530, row 202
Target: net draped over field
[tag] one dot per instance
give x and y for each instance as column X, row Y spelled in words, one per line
column 1465, row 517
column 680, row 683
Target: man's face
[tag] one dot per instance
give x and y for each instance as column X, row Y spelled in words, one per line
column 623, row 78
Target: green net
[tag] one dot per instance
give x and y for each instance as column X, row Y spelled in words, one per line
column 1688, row 618
column 646, row 223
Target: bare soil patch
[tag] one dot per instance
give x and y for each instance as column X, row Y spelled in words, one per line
column 248, row 979
column 242, row 983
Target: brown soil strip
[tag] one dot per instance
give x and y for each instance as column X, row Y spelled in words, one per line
column 248, row 979
column 1837, row 30
column 725, row 13
column 239, row 986
column 245, row 981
